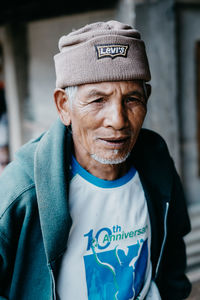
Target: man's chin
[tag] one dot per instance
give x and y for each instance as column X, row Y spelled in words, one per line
column 110, row 161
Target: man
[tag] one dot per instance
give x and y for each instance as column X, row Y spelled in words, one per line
column 94, row 209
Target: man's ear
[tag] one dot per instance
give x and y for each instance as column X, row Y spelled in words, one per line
column 62, row 105
column 148, row 89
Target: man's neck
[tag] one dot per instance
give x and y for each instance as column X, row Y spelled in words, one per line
column 104, row 171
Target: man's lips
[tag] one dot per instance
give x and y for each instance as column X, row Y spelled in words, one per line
column 115, row 142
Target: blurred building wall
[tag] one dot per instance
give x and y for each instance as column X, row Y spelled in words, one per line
column 157, row 25
column 188, row 37
column 171, row 30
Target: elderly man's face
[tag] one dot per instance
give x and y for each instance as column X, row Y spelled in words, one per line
column 106, row 119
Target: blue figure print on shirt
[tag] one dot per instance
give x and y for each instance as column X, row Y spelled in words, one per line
column 116, row 275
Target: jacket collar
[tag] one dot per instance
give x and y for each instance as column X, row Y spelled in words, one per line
column 151, row 158
column 52, row 160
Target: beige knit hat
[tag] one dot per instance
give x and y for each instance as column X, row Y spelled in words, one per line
column 102, row 51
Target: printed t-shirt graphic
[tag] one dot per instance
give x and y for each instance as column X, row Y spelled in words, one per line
column 108, row 252
column 110, row 274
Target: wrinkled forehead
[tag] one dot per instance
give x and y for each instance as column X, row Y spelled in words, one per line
column 109, row 86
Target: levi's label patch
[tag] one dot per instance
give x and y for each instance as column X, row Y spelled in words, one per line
column 111, row 50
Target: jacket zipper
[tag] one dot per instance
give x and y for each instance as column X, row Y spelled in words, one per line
column 54, row 285
column 164, row 239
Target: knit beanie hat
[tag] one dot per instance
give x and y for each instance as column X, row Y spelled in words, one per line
column 102, row 51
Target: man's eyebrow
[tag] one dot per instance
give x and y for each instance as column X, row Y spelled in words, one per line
column 135, row 93
column 95, row 92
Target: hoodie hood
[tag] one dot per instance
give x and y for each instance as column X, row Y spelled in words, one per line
column 46, row 161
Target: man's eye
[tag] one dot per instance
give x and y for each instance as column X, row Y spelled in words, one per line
column 132, row 99
column 98, row 100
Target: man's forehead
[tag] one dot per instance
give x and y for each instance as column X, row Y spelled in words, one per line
column 103, row 87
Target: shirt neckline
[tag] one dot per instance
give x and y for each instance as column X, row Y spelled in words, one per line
column 76, row 168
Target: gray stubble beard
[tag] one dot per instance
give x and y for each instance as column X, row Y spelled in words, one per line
column 105, row 161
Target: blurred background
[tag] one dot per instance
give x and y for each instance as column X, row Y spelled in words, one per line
column 29, row 33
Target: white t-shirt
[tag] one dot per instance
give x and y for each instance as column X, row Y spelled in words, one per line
column 108, row 252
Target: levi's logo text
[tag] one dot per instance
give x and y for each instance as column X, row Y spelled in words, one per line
column 111, row 50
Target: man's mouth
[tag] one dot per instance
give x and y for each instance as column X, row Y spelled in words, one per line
column 115, row 142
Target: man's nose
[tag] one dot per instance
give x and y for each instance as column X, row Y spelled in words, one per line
column 116, row 116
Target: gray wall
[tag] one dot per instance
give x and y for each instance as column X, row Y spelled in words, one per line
column 170, row 33
column 189, row 33
column 156, row 23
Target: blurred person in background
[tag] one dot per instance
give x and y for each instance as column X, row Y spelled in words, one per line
column 94, row 208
